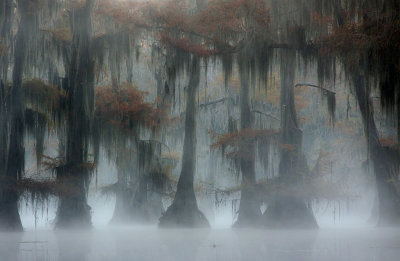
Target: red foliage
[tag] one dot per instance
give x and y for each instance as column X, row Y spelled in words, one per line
column 218, row 28
column 123, row 107
column 186, row 45
column 124, row 12
column 126, row 108
column 389, row 142
column 357, row 36
column 246, row 135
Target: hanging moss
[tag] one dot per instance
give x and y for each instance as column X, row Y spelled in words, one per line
column 36, row 124
column 43, row 96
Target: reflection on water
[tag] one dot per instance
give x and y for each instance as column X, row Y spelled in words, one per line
column 150, row 243
column 9, row 246
column 73, row 246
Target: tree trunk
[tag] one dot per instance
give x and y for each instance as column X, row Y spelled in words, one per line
column 388, row 198
column 184, row 211
column 138, row 203
column 73, row 210
column 9, row 216
column 123, row 201
column 286, row 210
column 249, row 208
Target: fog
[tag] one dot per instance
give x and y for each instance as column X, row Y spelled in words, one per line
column 199, row 130
column 150, row 243
column 349, row 237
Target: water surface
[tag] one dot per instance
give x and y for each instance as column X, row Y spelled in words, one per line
column 150, row 243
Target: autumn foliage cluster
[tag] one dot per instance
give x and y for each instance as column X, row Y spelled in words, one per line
column 127, row 108
column 246, row 135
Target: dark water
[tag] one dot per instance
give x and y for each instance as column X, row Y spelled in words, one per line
column 150, row 243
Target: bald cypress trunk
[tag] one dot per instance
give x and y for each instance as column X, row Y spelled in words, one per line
column 73, row 210
column 286, row 210
column 249, row 213
column 138, row 198
column 9, row 216
column 388, row 197
column 123, row 201
column 184, row 211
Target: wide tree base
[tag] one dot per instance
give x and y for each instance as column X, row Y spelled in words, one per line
column 289, row 213
column 248, row 223
column 388, row 204
column 249, row 214
column 146, row 213
column 9, row 218
column 249, row 219
column 184, row 215
column 389, row 217
column 73, row 214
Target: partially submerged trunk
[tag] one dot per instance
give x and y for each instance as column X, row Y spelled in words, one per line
column 184, row 211
column 144, row 205
column 121, row 212
column 388, row 197
column 287, row 210
column 123, row 193
column 73, row 210
column 139, row 202
column 249, row 213
column 9, row 216
column 138, row 194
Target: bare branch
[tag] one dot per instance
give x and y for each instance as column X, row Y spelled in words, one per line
column 266, row 114
column 212, row 102
column 315, row 86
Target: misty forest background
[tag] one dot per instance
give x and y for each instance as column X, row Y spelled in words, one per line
column 272, row 108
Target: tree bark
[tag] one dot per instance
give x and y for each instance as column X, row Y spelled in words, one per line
column 140, row 203
column 388, row 197
column 9, row 216
column 73, row 210
column 249, row 213
column 184, row 211
column 286, row 210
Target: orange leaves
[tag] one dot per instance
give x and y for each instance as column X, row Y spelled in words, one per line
column 124, row 12
column 219, row 26
column 247, row 135
column 127, row 109
column 288, row 147
column 61, row 34
column 122, row 107
column 229, row 16
column 215, row 29
column 186, row 45
column 389, row 142
column 356, row 35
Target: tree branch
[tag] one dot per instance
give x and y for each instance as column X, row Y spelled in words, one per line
column 212, row 102
column 266, row 114
column 315, row 86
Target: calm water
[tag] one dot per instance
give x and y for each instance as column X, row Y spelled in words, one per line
column 150, row 243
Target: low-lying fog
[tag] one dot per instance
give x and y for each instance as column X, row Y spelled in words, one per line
column 347, row 238
column 150, row 243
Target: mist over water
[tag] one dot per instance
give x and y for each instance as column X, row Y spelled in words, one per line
column 344, row 234
column 199, row 130
column 150, row 243
column 349, row 237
